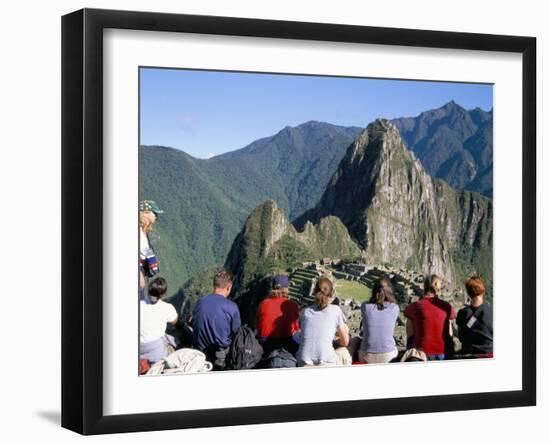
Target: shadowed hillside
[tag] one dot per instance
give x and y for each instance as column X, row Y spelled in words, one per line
column 207, row 201
column 380, row 208
column 453, row 144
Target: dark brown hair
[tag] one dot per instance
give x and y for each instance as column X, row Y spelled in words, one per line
column 382, row 291
column 157, row 289
column 222, row 279
column 475, row 286
column 323, row 292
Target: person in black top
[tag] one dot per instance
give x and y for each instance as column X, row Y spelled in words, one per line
column 475, row 322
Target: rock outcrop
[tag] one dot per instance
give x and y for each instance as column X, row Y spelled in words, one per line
column 399, row 215
column 268, row 243
column 381, row 207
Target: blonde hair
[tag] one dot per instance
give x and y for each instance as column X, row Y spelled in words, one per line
column 145, row 225
column 433, row 284
column 323, row 293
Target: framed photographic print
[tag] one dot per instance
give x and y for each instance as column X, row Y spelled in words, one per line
column 262, row 217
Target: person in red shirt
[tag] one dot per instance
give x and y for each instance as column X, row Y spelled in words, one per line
column 277, row 318
column 428, row 320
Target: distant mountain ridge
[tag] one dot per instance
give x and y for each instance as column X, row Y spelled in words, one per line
column 398, row 214
column 380, row 207
column 300, row 160
column 453, row 144
column 207, row 201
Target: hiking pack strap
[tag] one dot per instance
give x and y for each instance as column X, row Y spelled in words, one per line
column 476, row 318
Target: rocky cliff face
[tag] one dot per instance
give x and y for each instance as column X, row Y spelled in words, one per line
column 264, row 227
column 380, row 207
column 467, row 219
column 399, row 215
column 269, row 243
column 207, row 201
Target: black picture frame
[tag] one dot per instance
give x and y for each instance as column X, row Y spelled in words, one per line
column 82, row 218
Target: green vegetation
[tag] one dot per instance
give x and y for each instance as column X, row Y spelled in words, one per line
column 352, row 289
column 201, row 283
column 286, row 254
column 468, row 262
column 453, row 144
column 206, row 202
column 329, row 238
column 472, row 250
column 268, row 244
column 192, row 290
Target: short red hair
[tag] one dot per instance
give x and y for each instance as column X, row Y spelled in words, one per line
column 475, row 286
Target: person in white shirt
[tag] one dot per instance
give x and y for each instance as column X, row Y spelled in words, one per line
column 154, row 345
column 320, row 323
column 148, row 262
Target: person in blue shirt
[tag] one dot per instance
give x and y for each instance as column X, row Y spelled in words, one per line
column 216, row 319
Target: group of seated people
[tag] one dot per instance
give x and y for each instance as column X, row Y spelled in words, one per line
column 318, row 335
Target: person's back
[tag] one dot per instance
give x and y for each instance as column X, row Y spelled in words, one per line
column 379, row 316
column 319, row 327
column 430, row 317
column 379, row 327
column 277, row 318
column 154, row 345
column 153, row 320
column 475, row 326
column 323, row 326
column 428, row 320
column 475, row 322
column 215, row 320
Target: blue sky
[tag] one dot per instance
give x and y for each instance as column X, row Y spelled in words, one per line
column 206, row 113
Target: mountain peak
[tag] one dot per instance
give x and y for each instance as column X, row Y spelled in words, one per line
column 381, row 127
column 312, row 123
column 387, row 202
column 366, row 167
column 448, row 108
column 303, row 129
column 268, row 241
column 453, row 144
column 264, row 227
column 380, row 136
column 450, row 104
column 453, row 106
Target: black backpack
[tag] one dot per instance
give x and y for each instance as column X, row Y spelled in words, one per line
column 279, row 358
column 245, row 351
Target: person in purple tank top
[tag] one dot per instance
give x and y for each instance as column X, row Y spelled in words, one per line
column 379, row 316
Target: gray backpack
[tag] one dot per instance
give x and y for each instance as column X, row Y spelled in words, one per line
column 279, row 358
